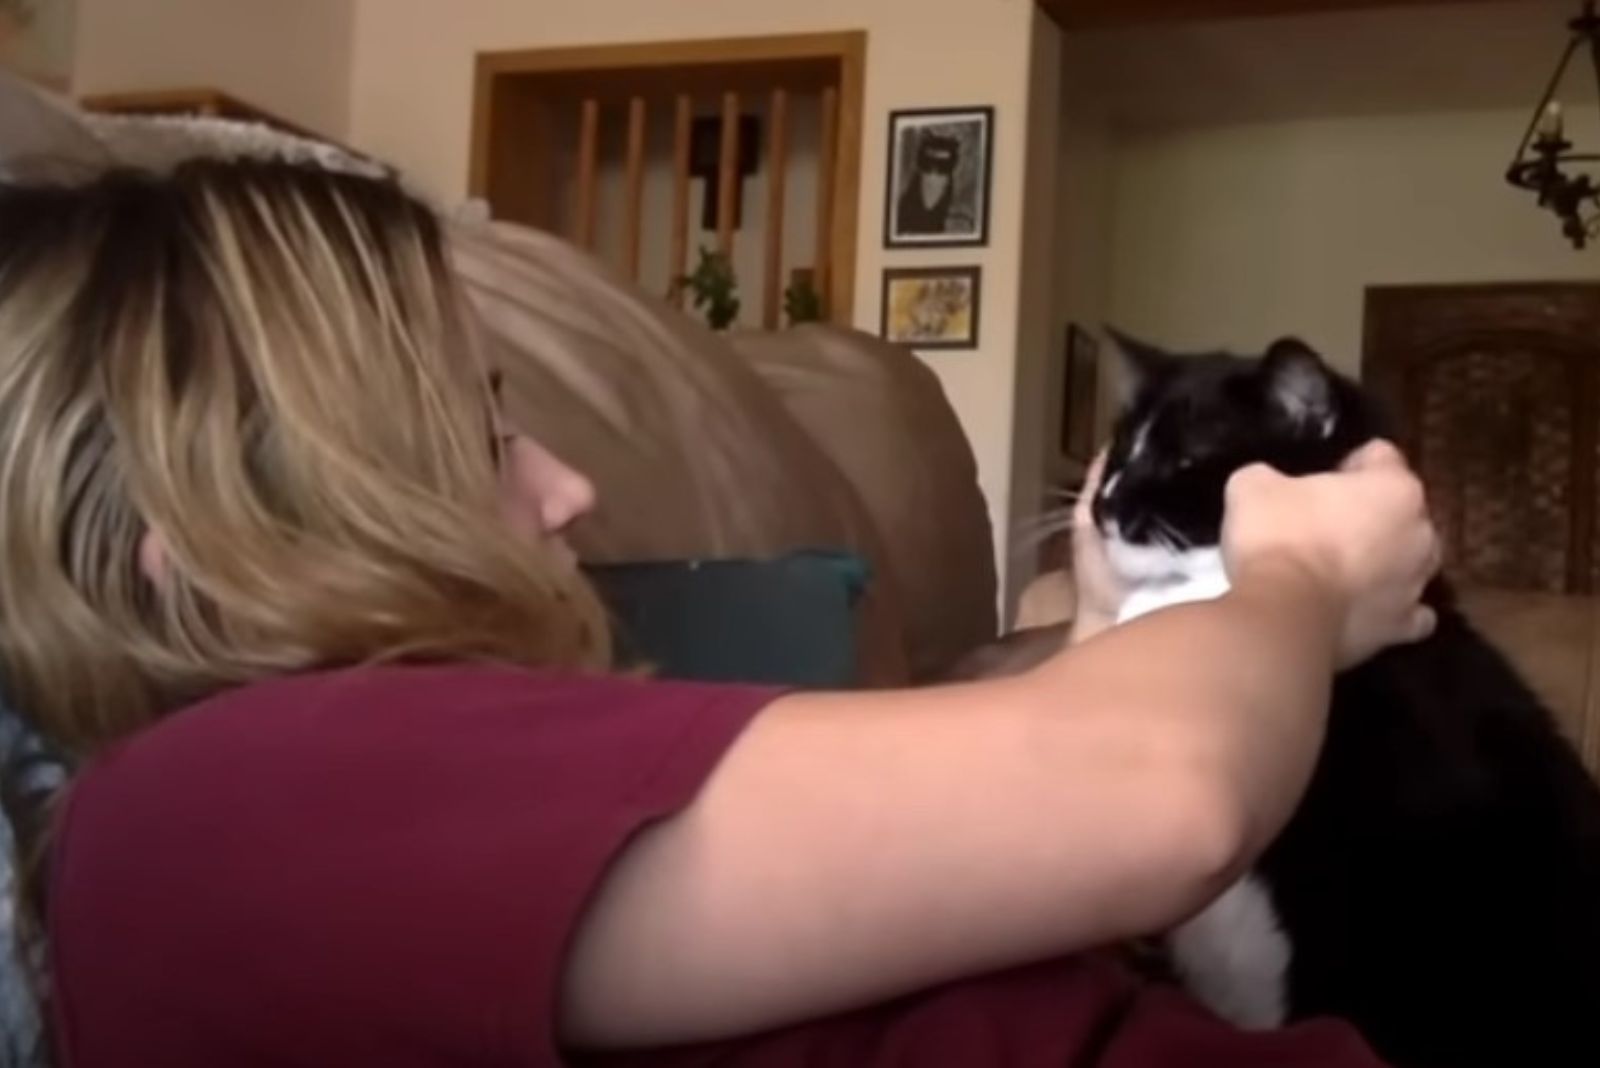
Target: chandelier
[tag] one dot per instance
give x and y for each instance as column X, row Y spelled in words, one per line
column 1545, row 159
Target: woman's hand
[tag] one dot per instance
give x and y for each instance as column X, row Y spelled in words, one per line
column 1362, row 535
column 1100, row 592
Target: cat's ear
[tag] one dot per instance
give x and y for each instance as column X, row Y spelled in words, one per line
column 1138, row 362
column 1299, row 383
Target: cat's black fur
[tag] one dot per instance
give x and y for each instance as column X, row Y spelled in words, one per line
column 1440, row 883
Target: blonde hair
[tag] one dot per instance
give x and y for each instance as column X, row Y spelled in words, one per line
column 270, row 368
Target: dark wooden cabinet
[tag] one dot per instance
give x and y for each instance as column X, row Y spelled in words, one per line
column 1495, row 394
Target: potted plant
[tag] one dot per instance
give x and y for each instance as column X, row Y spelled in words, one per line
column 714, row 288
column 801, row 301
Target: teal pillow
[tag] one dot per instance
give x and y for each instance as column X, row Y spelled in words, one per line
column 789, row 621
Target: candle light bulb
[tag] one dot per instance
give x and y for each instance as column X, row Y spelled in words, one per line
column 1552, row 126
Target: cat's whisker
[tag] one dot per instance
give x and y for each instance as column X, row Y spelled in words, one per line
column 1040, row 531
column 1028, row 541
column 1044, row 519
column 1173, row 536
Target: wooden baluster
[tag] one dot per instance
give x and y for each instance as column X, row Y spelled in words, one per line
column 635, row 209
column 728, row 173
column 827, row 155
column 588, row 172
column 777, row 174
column 682, row 129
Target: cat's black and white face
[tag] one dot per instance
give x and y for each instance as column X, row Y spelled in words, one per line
column 1188, row 424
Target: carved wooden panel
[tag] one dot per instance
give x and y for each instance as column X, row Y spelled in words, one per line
column 1075, row 14
column 1495, row 392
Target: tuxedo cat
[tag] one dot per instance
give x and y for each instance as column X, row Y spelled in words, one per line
column 1439, row 886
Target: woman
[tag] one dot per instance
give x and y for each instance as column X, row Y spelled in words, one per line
column 360, row 792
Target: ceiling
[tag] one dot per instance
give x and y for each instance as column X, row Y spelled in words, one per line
column 1081, row 13
column 1462, row 57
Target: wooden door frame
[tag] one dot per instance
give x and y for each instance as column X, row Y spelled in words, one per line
column 494, row 100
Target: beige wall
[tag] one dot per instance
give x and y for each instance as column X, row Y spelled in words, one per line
column 1234, row 235
column 1082, row 274
column 412, row 104
column 291, row 57
column 1036, row 327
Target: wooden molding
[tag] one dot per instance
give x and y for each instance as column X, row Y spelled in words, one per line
column 682, row 130
column 510, row 83
column 588, row 194
column 633, row 225
column 827, row 157
column 841, row 292
column 777, row 191
column 728, row 178
column 671, row 53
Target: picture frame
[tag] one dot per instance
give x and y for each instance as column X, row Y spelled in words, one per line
column 932, row 308
column 1080, row 394
column 941, row 163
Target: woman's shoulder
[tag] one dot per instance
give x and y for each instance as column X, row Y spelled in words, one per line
column 315, row 762
column 421, row 731
column 349, row 825
column 484, row 687
column 390, row 709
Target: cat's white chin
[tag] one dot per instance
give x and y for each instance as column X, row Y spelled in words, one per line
column 1158, row 576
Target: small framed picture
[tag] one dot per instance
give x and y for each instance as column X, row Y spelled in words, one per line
column 1081, row 378
column 939, row 168
column 932, row 307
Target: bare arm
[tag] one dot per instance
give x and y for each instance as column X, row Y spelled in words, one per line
column 854, row 847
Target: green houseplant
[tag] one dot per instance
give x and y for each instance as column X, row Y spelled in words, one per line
column 801, row 301
column 714, row 288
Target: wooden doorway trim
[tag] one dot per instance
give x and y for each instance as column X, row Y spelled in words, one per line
column 502, row 101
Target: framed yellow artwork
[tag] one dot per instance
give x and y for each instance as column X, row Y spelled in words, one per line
column 932, row 307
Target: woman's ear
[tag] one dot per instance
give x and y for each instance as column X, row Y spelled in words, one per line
column 154, row 562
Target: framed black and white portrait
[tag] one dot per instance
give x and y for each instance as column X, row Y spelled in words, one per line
column 939, row 167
